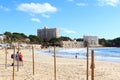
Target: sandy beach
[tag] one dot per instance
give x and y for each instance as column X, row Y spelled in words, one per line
column 66, row 68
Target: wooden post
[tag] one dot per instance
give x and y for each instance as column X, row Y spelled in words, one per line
column 5, row 58
column 18, row 59
column 13, row 64
column 54, row 62
column 92, row 65
column 33, row 60
column 87, row 65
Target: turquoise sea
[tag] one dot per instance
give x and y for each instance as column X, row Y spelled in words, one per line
column 102, row 54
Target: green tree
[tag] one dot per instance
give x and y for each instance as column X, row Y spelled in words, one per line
column 54, row 41
column 63, row 38
column 102, row 42
column 35, row 39
column 8, row 37
column 109, row 43
column 79, row 39
column 116, row 42
column 18, row 37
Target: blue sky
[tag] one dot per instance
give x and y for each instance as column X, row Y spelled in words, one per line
column 75, row 18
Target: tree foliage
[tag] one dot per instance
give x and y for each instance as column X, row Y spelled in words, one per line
column 102, row 42
column 79, row 39
column 116, row 42
column 56, row 41
column 8, row 36
column 63, row 38
column 110, row 43
column 21, row 37
column 18, row 37
column 33, row 39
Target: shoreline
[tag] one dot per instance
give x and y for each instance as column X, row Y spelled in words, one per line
column 81, row 54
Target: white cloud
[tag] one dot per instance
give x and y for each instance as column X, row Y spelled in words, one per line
column 45, row 15
column 31, row 14
column 81, row 4
column 68, row 31
column 36, row 20
column 36, row 8
column 4, row 8
column 112, row 3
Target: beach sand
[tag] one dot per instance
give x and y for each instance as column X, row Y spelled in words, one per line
column 66, row 68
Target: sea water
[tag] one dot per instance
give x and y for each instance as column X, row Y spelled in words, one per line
column 103, row 54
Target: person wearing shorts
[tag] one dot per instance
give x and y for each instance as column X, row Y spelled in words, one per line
column 20, row 58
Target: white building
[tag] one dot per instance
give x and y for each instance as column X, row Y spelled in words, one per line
column 2, row 37
column 92, row 40
column 71, row 44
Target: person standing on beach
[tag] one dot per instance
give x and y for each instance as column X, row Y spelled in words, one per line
column 17, row 57
column 76, row 56
column 20, row 58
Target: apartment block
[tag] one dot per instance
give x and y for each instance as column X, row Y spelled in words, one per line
column 48, row 33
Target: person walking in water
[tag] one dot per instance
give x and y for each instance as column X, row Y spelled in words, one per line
column 76, row 55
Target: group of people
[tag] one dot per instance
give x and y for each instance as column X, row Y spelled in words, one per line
column 18, row 58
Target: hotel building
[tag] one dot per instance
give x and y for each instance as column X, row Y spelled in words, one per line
column 48, row 33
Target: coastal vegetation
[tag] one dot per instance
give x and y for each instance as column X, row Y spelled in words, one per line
column 33, row 39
